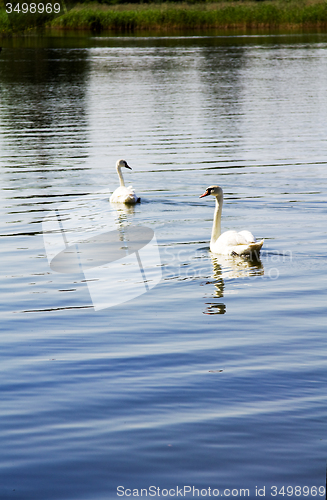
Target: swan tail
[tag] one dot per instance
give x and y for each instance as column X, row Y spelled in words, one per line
column 251, row 250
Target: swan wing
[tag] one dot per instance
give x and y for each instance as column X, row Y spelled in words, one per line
column 132, row 195
column 232, row 238
column 232, row 242
column 226, row 242
column 249, row 238
column 251, row 249
column 124, row 195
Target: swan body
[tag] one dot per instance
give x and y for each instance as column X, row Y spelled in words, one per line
column 123, row 194
column 230, row 242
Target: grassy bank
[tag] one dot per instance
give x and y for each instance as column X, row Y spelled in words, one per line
column 165, row 16
column 214, row 15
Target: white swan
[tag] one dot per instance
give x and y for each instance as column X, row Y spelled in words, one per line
column 123, row 194
column 230, row 242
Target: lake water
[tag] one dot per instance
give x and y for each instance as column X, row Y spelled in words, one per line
column 215, row 378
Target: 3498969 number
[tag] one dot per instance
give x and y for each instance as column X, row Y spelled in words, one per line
column 33, row 8
column 298, row 491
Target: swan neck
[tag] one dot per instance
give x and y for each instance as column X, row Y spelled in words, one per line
column 120, row 175
column 216, row 228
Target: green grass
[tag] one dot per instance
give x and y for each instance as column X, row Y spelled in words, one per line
column 19, row 21
column 165, row 16
column 4, row 23
column 204, row 15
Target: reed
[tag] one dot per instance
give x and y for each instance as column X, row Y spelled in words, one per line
column 165, row 16
column 17, row 20
column 265, row 14
column 5, row 27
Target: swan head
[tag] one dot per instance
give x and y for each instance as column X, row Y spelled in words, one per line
column 214, row 191
column 122, row 163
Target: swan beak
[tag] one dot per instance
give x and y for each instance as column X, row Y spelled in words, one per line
column 127, row 166
column 206, row 193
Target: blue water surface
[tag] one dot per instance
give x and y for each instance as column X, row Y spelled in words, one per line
column 215, row 379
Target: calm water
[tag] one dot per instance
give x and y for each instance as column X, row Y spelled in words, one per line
column 216, row 377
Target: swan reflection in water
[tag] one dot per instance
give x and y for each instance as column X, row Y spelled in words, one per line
column 227, row 268
column 124, row 216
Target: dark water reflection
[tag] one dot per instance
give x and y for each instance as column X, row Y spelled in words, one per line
column 43, row 112
column 37, row 85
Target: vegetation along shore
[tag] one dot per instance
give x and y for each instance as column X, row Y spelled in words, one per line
column 133, row 17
